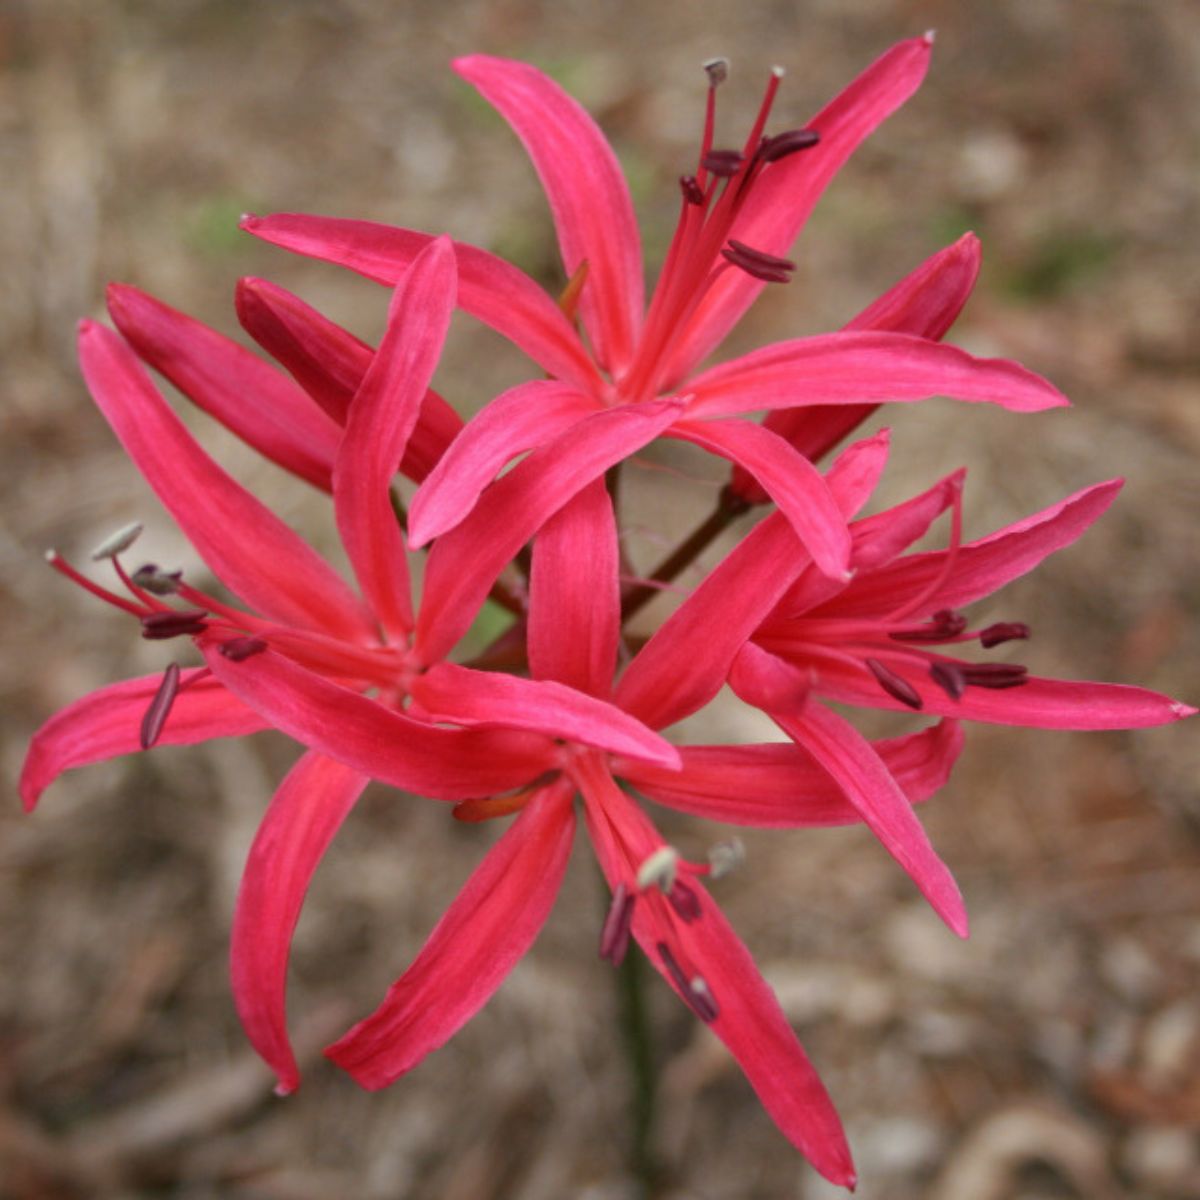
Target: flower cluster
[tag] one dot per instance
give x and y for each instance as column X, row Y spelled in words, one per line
column 815, row 602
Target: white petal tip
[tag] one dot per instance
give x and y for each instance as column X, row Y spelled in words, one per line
column 929, row 37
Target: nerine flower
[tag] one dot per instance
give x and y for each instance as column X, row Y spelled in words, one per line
column 628, row 374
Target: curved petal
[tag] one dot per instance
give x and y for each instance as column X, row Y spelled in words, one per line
column 464, row 564
column 593, row 212
column 306, row 813
column 488, row 288
column 575, row 595
column 488, row 699
column 248, row 396
column 107, row 723
column 381, row 417
column 851, row 368
column 517, row 420
column 795, row 485
column 777, row 785
column 485, row 931
column 760, row 679
column 246, row 545
column 787, row 191
column 445, row 764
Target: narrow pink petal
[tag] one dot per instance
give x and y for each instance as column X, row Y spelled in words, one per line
column 980, row 567
column 329, row 363
column 246, row 545
column 248, row 396
column 486, row 930
column 306, row 813
column 575, row 595
column 488, row 287
column 517, row 420
column 106, row 723
column 777, row 785
column 925, row 303
column 855, row 473
column 593, row 211
column 785, row 195
column 491, row 700
column 686, row 662
column 853, row 368
column 382, row 416
column 749, row 1019
column 464, row 564
column 795, row 485
column 382, row 742
column 761, row 679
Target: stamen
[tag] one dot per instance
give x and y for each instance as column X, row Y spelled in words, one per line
column 696, row 993
column 725, row 857
column 949, row 678
column 717, row 70
column 160, row 707
column 659, row 870
column 772, row 149
column 724, row 164
column 944, row 626
column 614, row 936
column 767, row 267
column 693, row 193
column 63, row 567
column 239, row 649
column 120, row 541
column 897, row 688
column 994, row 675
column 1003, row 631
column 685, row 902
column 159, row 626
column 157, row 581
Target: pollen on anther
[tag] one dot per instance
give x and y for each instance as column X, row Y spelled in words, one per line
column 117, row 543
column 659, row 869
column 717, row 70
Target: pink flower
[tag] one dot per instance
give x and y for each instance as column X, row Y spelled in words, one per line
column 630, row 376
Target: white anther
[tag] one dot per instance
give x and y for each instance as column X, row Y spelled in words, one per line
column 659, row 869
column 717, row 70
column 726, row 856
column 118, row 542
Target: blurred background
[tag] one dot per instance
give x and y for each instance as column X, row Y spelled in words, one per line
column 1054, row 1055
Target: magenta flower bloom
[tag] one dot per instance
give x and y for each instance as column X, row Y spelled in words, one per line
column 630, row 374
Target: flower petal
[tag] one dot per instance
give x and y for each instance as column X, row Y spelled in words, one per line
column 382, row 416
column 489, row 699
column 384, row 743
column 761, row 679
column 795, row 485
column 464, row 564
column 306, row 813
column 518, row 420
column 593, row 211
column 216, row 374
column 488, row 288
column 784, row 196
column 853, row 368
column 107, row 723
column 484, row 932
column 329, row 363
column 777, row 785
column 246, row 545
column 575, row 595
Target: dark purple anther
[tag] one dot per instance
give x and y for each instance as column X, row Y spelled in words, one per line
column 160, row 707
column 1003, row 631
column 723, row 163
column 768, row 267
column 944, row 626
column 685, row 902
column 614, row 936
column 782, row 144
column 239, row 648
column 692, row 191
column 949, row 678
column 694, row 991
column 156, row 581
column 995, row 675
column 158, row 626
column 897, row 688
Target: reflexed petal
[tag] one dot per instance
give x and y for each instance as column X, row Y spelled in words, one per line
column 464, row 564
column 248, row 396
column 518, row 420
column 785, row 194
column 488, row 699
column 308, row 809
column 485, row 931
column 593, row 212
column 795, row 485
column 445, row 764
column 382, row 416
column 575, row 595
column 852, row 368
column 107, row 723
column 760, row 679
column 778, row 785
column 488, row 288
column 254, row 553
